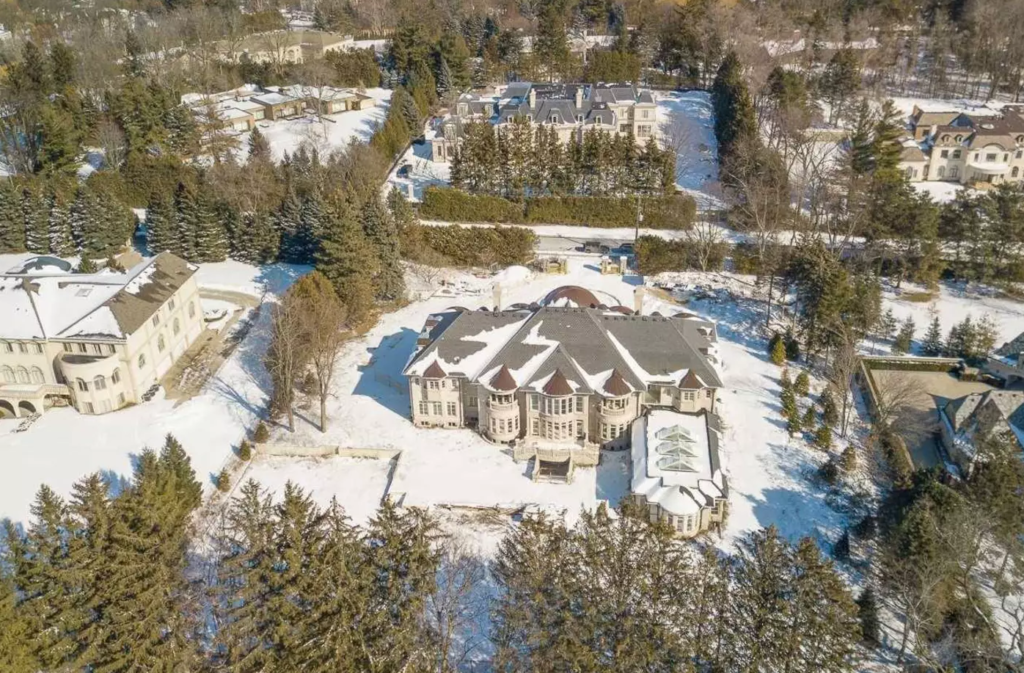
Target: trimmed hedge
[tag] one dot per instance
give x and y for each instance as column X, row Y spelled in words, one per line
column 924, row 366
column 655, row 255
column 453, row 205
column 481, row 246
column 661, row 212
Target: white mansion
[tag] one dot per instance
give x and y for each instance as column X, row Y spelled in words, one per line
column 95, row 341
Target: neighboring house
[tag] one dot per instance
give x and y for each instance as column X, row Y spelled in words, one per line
column 1008, row 361
column 971, row 419
column 330, row 99
column 278, row 105
column 561, row 379
column 677, row 474
column 286, row 46
column 95, row 341
column 983, row 147
column 570, row 109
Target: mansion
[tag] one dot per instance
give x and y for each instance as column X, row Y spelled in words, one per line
column 568, row 108
column 95, row 341
column 983, row 147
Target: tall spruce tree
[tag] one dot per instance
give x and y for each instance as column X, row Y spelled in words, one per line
column 36, row 219
column 347, row 258
column 15, row 635
column 61, row 241
column 12, row 227
column 932, row 345
column 287, row 220
column 382, row 232
column 162, row 230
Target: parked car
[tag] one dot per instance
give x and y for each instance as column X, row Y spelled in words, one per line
column 626, row 249
column 596, row 247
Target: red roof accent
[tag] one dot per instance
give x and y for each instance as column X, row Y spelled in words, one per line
column 503, row 381
column 434, row 371
column 572, row 295
column 557, row 385
column 691, row 381
column 616, row 386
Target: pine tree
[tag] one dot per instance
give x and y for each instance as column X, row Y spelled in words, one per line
column 245, row 450
column 310, row 229
column 848, row 459
column 829, row 410
column 823, row 437
column 904, row 338
column 794, row 424
column 12, row 227
column 887, row 325
column 15, row 634
column 144, row 617
column 802, row 385
column 259, row 146
column 347, row 259
column 401, row 211
column 36, row 221
column 198, row 219
column 932, row 344
column 60, row 241
column 792, row 345
column 778, row 353
column 382, row 233
column 261, row 434
column 867, row 613
column 86, row 265
column 759, row 607
column 809, row 418
column 162, row 230
column 287, row 220
column 224, row 480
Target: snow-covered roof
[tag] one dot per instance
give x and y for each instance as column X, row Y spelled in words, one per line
column 106, row 305
column 675, row 461
column 273, row 98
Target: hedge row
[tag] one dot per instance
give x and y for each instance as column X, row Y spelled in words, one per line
column 481, row 246
column 661, row 212
column 923, row 366
column 655, row 255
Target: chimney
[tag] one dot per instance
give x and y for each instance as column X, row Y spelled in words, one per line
column 496, row 296
column 412, row 191
column 638, row 300
column 532, row 96
column 579, row 96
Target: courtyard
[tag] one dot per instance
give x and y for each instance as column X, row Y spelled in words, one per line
column 921, row 394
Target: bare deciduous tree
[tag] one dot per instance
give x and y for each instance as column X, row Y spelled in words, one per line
column 324, row 331
column 286, row 353
column 841, row 372
column 458, row 607
column 705, row 238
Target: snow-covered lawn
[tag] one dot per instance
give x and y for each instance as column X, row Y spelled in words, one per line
column 422, row 172
column 335, row 132
column 358, row 483
column 687, row 124
column 63, row 445
column 941, row 192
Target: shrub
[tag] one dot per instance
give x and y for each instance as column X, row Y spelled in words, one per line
column 261, row 434
column 829, row 472
column 793, row 424
column 792, row 345
column 224, row 481
column 896, row 455
column 848, row 459
column 778, row 351
column 829, row 411
column 810, row 417
column 867, row 612
column 245, row 450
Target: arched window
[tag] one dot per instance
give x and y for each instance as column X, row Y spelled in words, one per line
column 22, row 375
column 160, row 343
column 191, row 310
column 82, row 385
column 942, row 172
column 115, row 378
column 1015, row 172
column 8, row 375
column 142, row 360
column 176, row 327
column 100, row 383
column 37, row 375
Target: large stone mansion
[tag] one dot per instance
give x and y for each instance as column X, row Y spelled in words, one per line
column 95, row 341
column 559, row 380
column 569, row 108
column 977, row 148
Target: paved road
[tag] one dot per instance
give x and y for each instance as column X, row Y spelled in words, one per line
column 562, row 244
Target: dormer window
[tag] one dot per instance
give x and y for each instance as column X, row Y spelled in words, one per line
column 579, row 119
column 553, row 119
column 959, row 139
column 945, row 138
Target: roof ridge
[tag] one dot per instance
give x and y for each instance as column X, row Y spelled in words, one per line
column 35, row 311
column 141, row 266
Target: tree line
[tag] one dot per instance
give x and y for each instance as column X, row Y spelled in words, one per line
column 527, row 159
column 141, row 579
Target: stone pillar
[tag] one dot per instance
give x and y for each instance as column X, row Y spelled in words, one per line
column 496, row 296
column 638, row 299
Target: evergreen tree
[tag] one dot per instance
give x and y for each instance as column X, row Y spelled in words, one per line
column 287, row 220
column 198, row 221
column 904, row 338
column 887, row 325
column 867, row 613
column 382, row 233
column 809, row 418
column 12, row 226
column 778, row 353
column 259, row 146
column 735, row 123
column 60, row 241
column 932, row 344
column 36, row 220
column 15, row 634
column 823, row 437
column 310, row 229
column 86, row 265
column 162, row 230
column 348, row 260
column 802, row 385
column 829, row 411
column 794, row 424
column 144, row 621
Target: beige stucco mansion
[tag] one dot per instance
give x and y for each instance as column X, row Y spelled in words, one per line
column 96, row 341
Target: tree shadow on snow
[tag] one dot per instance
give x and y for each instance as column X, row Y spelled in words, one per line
column 798, row 514
column 276, row 278
column 381, row 379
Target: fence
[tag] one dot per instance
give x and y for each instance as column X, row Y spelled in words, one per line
column 296, row 451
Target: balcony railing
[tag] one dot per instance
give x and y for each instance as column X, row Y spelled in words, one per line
column 613, row 412
column 500, row 406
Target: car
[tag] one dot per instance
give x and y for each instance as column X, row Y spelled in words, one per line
column 596, row 247
column 626, row 249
